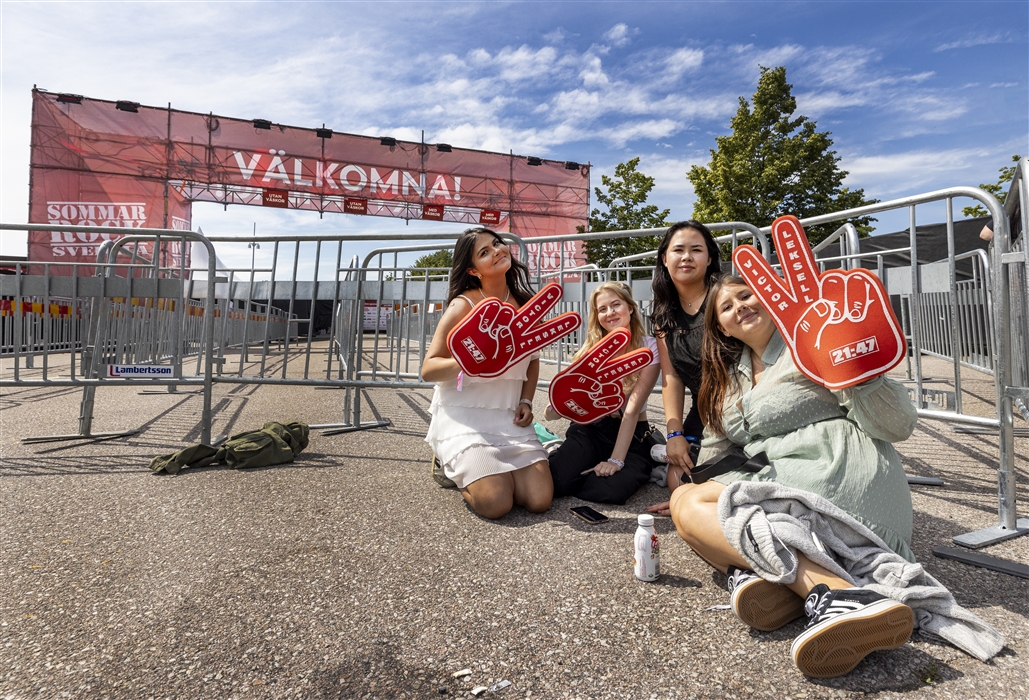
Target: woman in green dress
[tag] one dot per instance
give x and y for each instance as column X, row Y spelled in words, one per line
column 832, row 443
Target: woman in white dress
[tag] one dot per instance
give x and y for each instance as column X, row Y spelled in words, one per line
column 481, row 428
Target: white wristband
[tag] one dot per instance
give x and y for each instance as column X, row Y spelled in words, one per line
column 617, row 462
column 527, row 402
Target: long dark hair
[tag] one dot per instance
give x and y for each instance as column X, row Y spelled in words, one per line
column 720, row 354
column 666, row 298
column 460, row 281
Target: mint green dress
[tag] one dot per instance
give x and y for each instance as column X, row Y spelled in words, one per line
column 836, row 444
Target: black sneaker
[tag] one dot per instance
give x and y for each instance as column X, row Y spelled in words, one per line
column 846, row 626
column 439, row 475
column 761, row 604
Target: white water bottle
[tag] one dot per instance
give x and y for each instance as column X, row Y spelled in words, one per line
column 647, row 557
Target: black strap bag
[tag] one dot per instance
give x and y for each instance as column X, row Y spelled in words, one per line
column 731, row 460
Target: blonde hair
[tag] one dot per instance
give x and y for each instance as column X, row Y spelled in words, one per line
column 596, row 332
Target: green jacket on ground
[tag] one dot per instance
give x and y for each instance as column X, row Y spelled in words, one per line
column 275, row 443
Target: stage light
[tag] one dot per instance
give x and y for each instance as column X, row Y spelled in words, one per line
column 533, row 160
column 126, row 106
column 444, row 148
column 69, row 98
column 388, row 141
column 571, row 165
column 262, row 124
column 323, row 133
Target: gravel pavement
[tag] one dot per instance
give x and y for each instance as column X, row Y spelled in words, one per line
column 351, row 574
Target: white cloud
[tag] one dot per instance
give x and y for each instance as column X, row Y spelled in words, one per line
column 980, row 39
column 621, row 134
column 618, row 35
column 592, row 74
column 891, row 174
column 555, row 37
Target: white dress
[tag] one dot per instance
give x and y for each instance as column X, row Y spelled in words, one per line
column 472, row 431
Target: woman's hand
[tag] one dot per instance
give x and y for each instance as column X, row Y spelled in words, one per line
column 523, row 415
column 678, row 451
column 604, row 469
column 664, row 508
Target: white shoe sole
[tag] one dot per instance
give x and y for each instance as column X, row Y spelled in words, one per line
column 835, row 647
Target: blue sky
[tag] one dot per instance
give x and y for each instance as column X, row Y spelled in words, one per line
column 917, row 95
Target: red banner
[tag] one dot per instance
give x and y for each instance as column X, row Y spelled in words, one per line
column 83, row 199
column 275, row 198
column 233, row 161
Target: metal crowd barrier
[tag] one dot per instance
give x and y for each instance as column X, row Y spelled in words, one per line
column 139, row 319
column 226, row 317
column 997, row 333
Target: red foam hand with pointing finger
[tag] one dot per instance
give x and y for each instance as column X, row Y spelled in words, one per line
column 591, row 387
column 839, row 325
column 495, row 335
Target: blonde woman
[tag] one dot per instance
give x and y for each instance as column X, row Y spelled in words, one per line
column 607, row 461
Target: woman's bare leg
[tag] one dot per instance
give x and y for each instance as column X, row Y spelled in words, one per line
column 695, row 514
column 534, row 487
column 491, row 496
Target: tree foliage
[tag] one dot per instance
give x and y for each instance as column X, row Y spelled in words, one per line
column 625, row 199
column 998, row 190
column 774, row 163
column 441, row 258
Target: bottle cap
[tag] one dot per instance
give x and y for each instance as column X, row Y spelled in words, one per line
column 646, row 520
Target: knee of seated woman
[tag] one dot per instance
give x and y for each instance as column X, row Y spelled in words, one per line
column 691, row 501
column 493, row 505
column 537, row 503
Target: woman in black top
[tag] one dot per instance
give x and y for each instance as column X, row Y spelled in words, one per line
column 687, row 263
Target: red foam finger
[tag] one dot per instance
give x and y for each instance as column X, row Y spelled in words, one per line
column 537, row 307
column 796, row 259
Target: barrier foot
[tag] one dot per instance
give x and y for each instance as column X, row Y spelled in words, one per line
column 924, row 480
column 339, row 428
column 992, row 535
column 982, row 430
column 984, row 561
column 166, row 393
column 62, row 438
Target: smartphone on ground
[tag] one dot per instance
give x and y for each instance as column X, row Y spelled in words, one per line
column 588, row 514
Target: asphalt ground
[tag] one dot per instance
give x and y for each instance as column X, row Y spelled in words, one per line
column 351, row 574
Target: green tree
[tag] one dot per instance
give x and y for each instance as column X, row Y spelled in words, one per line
column 626, row 201
column 441, row 258
column 998, row 190
column 774, row 163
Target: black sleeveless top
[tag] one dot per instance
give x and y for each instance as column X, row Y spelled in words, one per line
column 683, row 342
